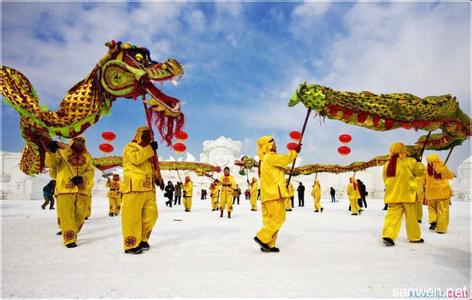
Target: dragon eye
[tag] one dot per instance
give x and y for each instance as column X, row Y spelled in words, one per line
column 139, row 57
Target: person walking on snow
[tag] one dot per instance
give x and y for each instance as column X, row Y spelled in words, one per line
column 274, row 191
column 114, row 195
column 227, row 185
column 354, row 195
column 253, row 194
column 139, row 211
column 188, row 191
column 72, row 167
column 438, row 193
column 316, row 193
column 399, row 175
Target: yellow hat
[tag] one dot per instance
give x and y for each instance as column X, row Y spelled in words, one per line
column 398, row 148
column 139, row 133
column 264, row 145
column 432, row 158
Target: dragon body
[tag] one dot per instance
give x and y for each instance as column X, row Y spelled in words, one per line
column 104, row 163
column 125, row 71
column 390, row 111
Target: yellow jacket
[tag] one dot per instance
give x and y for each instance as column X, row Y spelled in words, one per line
column 438, row 189
column 273, row 185
column 420, row 182
column 114, row 186
column 214, row 191
column 227, row 184
column 291, row 190
column 254, row 189
column 188, row 188
column 137, row 169
column 316, row 191
column 402, row 187
column 63, row 171
column 353, row 193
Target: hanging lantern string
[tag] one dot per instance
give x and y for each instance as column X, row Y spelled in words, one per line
column 299, row 143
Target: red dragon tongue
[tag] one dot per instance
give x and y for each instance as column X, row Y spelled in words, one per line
column 170, row 102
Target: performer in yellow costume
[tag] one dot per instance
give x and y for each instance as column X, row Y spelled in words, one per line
column 316, row 193
column 227, row 185
column 254, row 188
column 214, row 196
column 291, row 195
column 354, row 195
column 438, row 193
column 399, row 175
column 274, row 191
column 72, row 168
column 188, row 190
column 114, row 195
column 420, row 182
column 139, row 209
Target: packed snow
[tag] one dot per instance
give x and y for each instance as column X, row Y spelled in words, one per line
column 332, row 254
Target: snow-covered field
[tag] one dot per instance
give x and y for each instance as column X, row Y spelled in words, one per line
column 332, row 254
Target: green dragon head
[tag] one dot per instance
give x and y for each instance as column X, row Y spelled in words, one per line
column 128, row 71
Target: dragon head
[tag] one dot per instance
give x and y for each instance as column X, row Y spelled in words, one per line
column 128, row 71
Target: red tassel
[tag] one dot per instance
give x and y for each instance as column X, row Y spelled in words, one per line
column 362, row 116
column 376, row 120
column 389, row 124
column 392, row 166
column 347, row 114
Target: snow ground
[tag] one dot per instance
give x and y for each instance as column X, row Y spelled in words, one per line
column 331, row 254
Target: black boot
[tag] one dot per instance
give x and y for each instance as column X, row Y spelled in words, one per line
column 59, row 233
column 137, row 250
column 71, row 245
column 420, row 241
column 321, row 209
column 229, row 215
column 388, row 242
column 144, row 245
column 433, row 226
column 221, row 213
column 273, row 249
column 262, row 244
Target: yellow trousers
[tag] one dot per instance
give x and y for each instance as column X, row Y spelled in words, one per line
column 419, row 211
column 317, row 203
column 187, row 203
column 288, row 203
column 354, row 205
column 226, row 202
column 253, row 201
column 438, row 211
column 115, row 205
column 70, row 215
column 393, row 221
column 273, row 217
column 88, row 207
column 138, row 216
column 214, row 202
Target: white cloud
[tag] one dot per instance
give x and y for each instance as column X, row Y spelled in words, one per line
column 197, row 20
column 306, row 15
column 399, row 48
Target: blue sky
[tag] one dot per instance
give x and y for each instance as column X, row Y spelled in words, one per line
column 242, row 61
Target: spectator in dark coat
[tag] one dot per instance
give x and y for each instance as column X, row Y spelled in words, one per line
column 169, row 194
column 48, row 194
column 301, row 194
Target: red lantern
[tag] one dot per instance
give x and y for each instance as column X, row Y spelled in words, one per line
column 295, row 135
column 344, row 150
column 218, row 169
column 105, row 148
column 345, row 138
column 292, row 146
column 181, row 135
column 179, row 148
column 108, row 136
